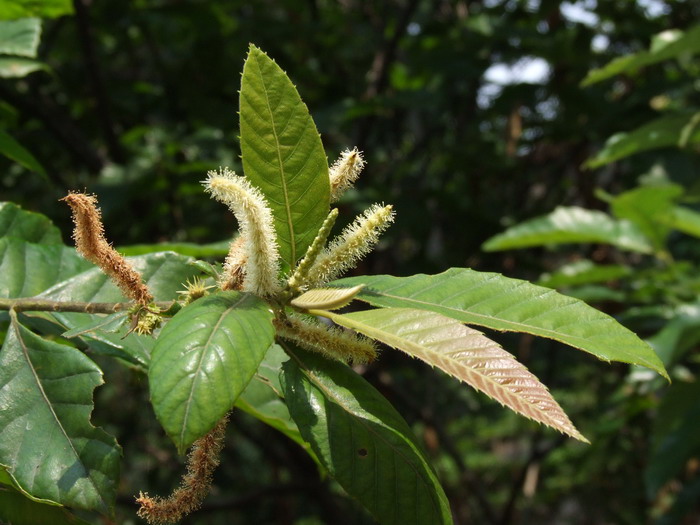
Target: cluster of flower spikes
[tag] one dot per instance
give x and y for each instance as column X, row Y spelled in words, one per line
column 252, row 264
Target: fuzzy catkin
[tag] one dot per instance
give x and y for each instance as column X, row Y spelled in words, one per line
column 257, row 229
column 91, row 244
column 188, row 497
column 355, row 242
column 234, row 265
column 330, row 341
column 345, row 171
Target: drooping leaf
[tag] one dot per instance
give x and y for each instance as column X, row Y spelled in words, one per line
column 204, row 358
column 363, row 442
column 505, row 304
column 12, row 149
column 566, row 225
column 27, row 225
column 326, row 298
column 644, row 206
column 670, row 130
column 263, row 399
column 583, row 272
column 20, row 37
column 283, row 154
column 27, row 269
column 463, row 353
column 664, row 46
column 19, row 510
column 47, row 443
column 33, row 8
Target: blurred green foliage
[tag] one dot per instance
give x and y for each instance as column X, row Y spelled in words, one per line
column 472, row 118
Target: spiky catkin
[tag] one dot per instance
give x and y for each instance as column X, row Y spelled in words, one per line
column 91, row 244
column 344, row 172
column 201, row 462
column 257, row 230
column 354, row 242
column 330, row 341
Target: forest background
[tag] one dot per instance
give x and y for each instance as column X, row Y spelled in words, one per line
column 473, row 116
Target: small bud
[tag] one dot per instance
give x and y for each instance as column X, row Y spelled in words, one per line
column 257, row 229
column 344, row 172
column 194, row 290
column 355, row 242
column 336, row 343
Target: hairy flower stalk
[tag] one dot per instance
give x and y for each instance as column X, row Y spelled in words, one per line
column 91, row 243
column 201, row 462
column 332, row 342
column 344, row 172
column 258, row 249
column 356, row 241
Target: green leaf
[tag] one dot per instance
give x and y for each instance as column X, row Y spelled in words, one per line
column 27, row 225
column 19, row 510
column 264, row 400
column 214, row 249
column 18, row 67
column 33, row 8
column 20, row 37
column 643, row 206
column 27, row 269
column 326, row 298
column 682, row 219
column 363, row 442
column 677, row 130
column 512, row 305
column 47, row 442
column 566, row 225
column 12, row 149
column 204, row 358
column 463, row 353
column 583, row 272
column 283, row 154
column 666, row 45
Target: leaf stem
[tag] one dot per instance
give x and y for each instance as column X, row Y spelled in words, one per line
column 47, row 305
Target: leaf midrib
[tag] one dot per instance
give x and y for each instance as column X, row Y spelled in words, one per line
column 290, row 225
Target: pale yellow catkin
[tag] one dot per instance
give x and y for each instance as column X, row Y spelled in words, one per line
column 345, row 171
column 354, row 242
column 254, row 216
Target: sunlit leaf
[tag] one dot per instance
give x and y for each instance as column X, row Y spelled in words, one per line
column 363, row 442
column 463, row 353
column 47, row 443
column 502, row 303
column 33, row 8
column 204, row 358
column 283, row 154
column 20, row 37
column 326, row 298
column 567, row 225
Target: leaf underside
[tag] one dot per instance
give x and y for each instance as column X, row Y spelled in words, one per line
column 283, row 154
column 326, row 298
column 501, row 303
column 463, row 353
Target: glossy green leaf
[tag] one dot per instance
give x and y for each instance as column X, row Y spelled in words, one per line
column 19, row 510
column 583, row 272
column 12, row 149
column 505, row 304
column 326, row 298
column 670, row 130
column 27, row 269
column 20, row 37
column 363, row 442
column 33, row 8
column 263, row 398
column 164, row 274
column 18, row 67
column 27, row 225
column 47, row 442
column 463, row 353
column 283, row 154
column 644, row 205
column 665, row 46
column 567, row 225
column 204, row 358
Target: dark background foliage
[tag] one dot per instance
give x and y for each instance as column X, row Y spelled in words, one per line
column 140, row 101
